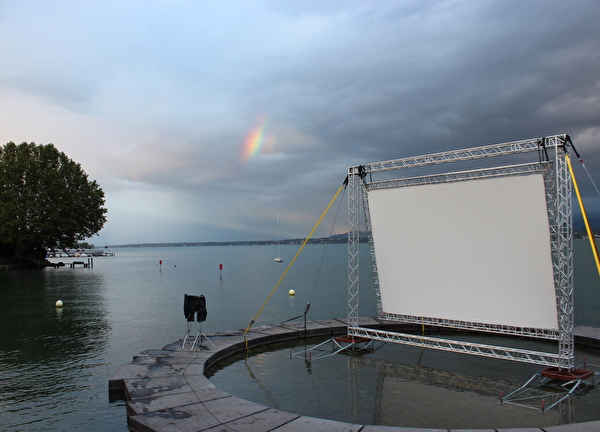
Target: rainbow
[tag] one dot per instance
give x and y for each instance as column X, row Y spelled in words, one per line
column 254, row 140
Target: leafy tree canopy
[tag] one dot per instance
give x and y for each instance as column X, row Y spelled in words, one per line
column 46, row 200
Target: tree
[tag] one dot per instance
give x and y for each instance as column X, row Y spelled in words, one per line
column 46, row 200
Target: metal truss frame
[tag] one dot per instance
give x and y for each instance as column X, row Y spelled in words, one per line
column 525, row 356
column 558, row 199
column 520, row 169
column 354, row 195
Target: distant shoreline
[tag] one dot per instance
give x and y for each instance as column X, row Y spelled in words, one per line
column 337, row 239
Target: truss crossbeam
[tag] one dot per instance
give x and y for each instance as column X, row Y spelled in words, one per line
column 531, row 168
column 505, row 353
column 504, row 149
column 474, row 326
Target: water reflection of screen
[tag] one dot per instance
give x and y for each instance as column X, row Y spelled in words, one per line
column 476, row 250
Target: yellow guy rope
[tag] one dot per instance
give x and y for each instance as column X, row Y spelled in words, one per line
column 291, row 263
column 583, row 212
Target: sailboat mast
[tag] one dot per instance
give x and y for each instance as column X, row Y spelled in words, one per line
column 278, row 258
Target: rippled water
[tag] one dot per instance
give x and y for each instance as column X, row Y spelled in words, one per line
column 398, row 386
column 405, row 386
column 55, row 363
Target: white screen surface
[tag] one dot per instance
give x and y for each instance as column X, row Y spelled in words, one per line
column 476, row 251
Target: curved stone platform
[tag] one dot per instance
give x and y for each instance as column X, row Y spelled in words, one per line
column 166, row 390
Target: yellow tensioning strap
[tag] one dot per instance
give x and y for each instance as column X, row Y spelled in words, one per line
column 583, row 212
column 292, row 262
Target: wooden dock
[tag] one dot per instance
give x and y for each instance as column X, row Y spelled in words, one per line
column 88, row 264
column 73, row 264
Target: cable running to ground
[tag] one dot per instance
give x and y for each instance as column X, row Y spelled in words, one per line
column 584, row 214
column 325, row 252
column 292, row 262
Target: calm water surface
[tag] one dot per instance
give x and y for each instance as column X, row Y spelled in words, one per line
column 412, row 387
column 55, row 363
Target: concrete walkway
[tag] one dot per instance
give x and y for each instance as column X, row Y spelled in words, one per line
column 166, row 390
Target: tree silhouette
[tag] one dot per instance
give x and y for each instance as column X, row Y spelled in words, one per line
column 46, row 201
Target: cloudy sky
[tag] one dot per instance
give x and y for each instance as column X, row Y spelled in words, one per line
column 202, row 120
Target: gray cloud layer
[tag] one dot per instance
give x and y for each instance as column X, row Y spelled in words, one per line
column 157, row 99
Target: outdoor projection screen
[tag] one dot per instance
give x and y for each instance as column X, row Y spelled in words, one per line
column 476, row 251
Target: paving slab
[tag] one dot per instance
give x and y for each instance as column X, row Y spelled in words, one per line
column 148, row 387
column 372, row 428
column 575, row 427
column 337, row 326
column 196, row 357
column 154, row 386
column 263, row 421
column 313, row 329
column 116, row 383
column 188, row 418
column 225, row 349
column 199, row 383
column 523, row 430
column 160, row 403
column 311, row 424
column 368, row 322
column 472, row 430
column 232, row 408
column 167, row 370
column 278, row 333
column 255, row 339
column 166, row 389
column 223, row 339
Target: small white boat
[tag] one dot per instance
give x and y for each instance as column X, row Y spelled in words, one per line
column 278, row 257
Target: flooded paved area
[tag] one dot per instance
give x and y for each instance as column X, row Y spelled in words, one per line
column 166, row 390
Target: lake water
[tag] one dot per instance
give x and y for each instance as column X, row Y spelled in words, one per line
column 55, row 363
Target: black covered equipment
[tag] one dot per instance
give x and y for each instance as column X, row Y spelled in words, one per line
column 194, row 305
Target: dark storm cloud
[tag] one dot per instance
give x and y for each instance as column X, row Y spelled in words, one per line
column 159, row 102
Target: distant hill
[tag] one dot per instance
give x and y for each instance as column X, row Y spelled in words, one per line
column 579, row 230
column 338, row 238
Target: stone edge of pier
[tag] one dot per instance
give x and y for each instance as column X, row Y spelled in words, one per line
column 166, row 390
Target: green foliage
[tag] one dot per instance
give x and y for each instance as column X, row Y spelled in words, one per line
column 84, row 245
column 46, row 200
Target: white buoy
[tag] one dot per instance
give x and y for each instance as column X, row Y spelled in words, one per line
column 292, row 292
column 58, row 303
